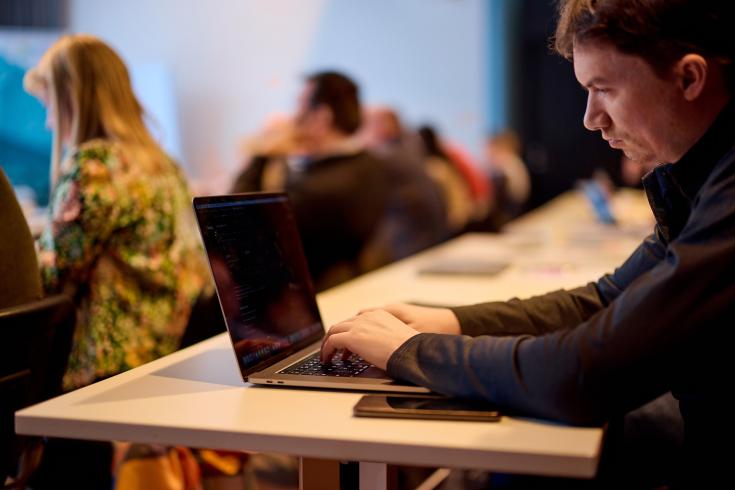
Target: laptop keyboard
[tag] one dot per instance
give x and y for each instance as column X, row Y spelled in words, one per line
column 312, row 366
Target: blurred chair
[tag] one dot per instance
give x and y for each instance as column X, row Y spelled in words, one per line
column 35, row 340
column 205, row 320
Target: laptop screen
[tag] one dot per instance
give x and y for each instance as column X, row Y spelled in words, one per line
column 597, row 196
column 261, row 275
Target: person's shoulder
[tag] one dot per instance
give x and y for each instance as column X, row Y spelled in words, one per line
column 92, row 160
column 369, row 156
column 722, row 177
column 370, row 160
column 343, row 161
column 96, row 149
column 726, row 162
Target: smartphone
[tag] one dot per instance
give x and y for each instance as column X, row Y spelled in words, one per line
column 425, row 407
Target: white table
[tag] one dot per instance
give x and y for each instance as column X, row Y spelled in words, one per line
column 195, row 397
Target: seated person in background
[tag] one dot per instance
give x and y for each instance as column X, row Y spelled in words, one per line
column 417, row 213
column 481, row 192
column 21, row 281
column 121, row 239
column 339, row 192
column 660, row 322
column 508, row 172
column 457, row 197
column 480, row 186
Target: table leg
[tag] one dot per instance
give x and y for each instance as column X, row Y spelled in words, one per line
column 318, row 474
column 373, row 476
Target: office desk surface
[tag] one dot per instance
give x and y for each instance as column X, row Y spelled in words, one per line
column 195, row 397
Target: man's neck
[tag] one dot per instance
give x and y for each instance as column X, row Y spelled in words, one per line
column 700, row 119
column 335, row 144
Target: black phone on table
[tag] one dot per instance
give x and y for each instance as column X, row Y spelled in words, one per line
column 425, row 407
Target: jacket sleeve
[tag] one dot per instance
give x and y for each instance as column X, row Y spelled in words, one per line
column 85, row 211
column 559, row 309
column 668, row 325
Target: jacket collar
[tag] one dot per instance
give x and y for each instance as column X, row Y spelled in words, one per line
column 673, row 187
column 692, row 170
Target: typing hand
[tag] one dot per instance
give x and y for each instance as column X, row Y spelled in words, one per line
column 423, row 318
column 373, row 335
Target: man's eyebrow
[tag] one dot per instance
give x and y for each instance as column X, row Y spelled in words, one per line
column 594, row 81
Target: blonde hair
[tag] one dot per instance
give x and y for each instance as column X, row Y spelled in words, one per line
column 86, row 84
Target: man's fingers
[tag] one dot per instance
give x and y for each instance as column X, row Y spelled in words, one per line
column 391, row 308
column 340, row 327
column 333, row 342
column 398, row 310
column 346, row 354
column 336, row 328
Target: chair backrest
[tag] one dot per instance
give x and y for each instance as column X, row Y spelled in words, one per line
column 35, row 341
column 205, row 321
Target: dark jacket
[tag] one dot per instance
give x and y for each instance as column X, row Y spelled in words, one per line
column 416, row 215
column 662, row 321
column 338, row 202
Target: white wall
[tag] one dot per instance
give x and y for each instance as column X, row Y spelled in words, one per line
column 234, row 62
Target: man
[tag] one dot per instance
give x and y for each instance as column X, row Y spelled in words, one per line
column 659, row 83
column 339, row 192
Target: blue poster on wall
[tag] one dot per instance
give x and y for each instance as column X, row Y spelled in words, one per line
column 25, row 143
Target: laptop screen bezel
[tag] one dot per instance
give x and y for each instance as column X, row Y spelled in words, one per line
column 199, row 201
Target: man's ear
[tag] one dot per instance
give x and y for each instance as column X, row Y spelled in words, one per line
column 692, row 71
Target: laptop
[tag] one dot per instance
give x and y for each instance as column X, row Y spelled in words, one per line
column 600, row 201
column 267, row 297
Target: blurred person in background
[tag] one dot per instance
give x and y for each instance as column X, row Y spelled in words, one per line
column 456, row 193
column 121, row 240
column 480, row 186
column 416, row 216
column 339, row 192
column 509, row 174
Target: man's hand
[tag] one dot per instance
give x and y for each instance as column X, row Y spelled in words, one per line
column 423, row 318
column 373, row 335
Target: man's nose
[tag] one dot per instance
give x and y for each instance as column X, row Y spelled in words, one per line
column 595, row 117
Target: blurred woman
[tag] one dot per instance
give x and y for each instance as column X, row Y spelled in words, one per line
column 121, row 239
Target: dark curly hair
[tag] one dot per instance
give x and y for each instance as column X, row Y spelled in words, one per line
column 660, row 31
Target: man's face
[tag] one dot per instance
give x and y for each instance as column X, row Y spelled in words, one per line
column 303, row 102
column 308, row 125
column 628, row 102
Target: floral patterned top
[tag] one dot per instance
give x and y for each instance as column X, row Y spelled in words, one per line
column 123, row 243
